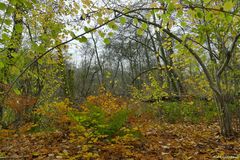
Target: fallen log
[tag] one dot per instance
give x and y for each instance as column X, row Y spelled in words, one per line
column 174, row 98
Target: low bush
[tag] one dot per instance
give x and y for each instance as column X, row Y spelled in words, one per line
column 98, row 121
column 193, row 112
column 104, row 115
column 52, row 116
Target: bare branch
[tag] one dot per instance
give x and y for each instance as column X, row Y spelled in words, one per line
column 199, row 60
column 144, row 72
column 228, row 55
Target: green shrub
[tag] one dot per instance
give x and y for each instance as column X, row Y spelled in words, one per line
column 116, row 122
column 192, row 112
column 94, row 118
column 210, row 112
column 8, row 116
column 97, row 120
column 171, row 112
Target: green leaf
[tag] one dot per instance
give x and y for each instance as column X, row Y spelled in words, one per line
column 15, row 54
column 1, row 65
column 35, row 154
column 2, row 6
column 34, row 1
column 228, row 6
column 144, row 26
column 229, row 18
column 82, row 39
column 135, row 21
column 149, row 15
column 171, row 7
column 179, row 13
column 123, row 20
column 44, row 37
column 86, row 29
column 72, row 34
column 110, row 34
column 5, row 37
column 206, row 1
column 17, row 91
column 199, row 14
column 8, row 22
column 101, row 34
column 183, row 24
column 18, row 28
column 154, row 5
column 106, row 41
column 113, row 25
column 15, row 71
column 14, row 2
column 10, row 10
column 40, row 61
column 34, row 46
column 100, row 21
column 28, row 4
column 38, row 48
column 41, row 48
column 140, row 32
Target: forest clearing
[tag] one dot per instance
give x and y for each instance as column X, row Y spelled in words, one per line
column 142, row 135
column 125, row 79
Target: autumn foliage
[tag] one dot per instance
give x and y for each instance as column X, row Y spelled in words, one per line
column 92, row 133
column 106, row 101
column 18, row 103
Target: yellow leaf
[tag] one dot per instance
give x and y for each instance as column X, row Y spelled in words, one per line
column 154, row 5
column 100, row 21
column 228, row 6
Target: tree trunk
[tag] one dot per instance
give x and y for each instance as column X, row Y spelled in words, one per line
column 225, row 116
column 1, row 113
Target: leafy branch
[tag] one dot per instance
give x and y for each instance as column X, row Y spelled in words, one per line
column 51, row 49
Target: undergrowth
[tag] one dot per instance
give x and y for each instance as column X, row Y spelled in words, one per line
column 102, row 118
column 173, row 111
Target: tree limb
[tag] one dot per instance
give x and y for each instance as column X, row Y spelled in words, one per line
column 199, row 60
column 63, row 43
column 228, row 55
column 145, row 71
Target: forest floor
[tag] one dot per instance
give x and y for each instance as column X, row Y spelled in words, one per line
column 159, row 140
